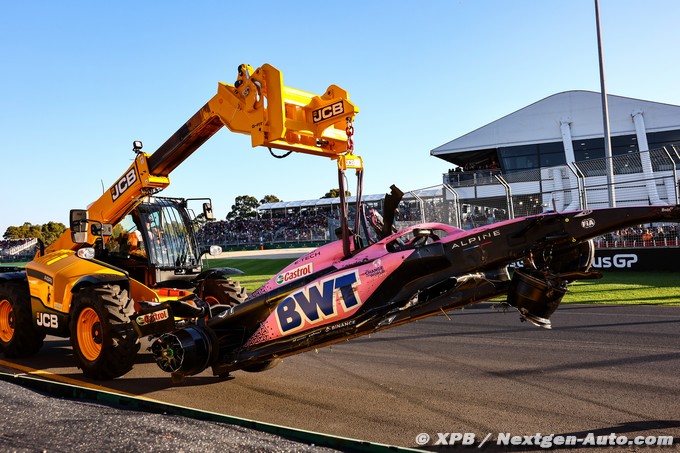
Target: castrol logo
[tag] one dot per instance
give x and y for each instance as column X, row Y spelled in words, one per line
column 151, row 318
column 294, row 274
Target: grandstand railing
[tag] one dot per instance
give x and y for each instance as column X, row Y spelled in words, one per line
column 646, row 178
column 18, row 247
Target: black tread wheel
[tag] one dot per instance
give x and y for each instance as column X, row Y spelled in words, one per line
column 104, row 343
column 222, row 291
column 18, row 335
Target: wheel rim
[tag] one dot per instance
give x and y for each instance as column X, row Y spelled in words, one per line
column 211, row 300
column 6, row 321
column 89, row 334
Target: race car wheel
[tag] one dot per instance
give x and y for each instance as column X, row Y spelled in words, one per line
column 18, row 335
column 222, row 291
column 104, row 343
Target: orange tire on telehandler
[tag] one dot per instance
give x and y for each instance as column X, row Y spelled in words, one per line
column 18, row 336
column 104, row 343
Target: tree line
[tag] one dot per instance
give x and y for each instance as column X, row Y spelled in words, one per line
column 48, row 233
column 244, row 207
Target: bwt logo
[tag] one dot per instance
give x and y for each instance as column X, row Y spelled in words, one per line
column 317, row 302
column 621, row 261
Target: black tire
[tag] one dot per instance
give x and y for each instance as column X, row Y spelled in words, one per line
column 222, row 291
column 106, row 345
column 18, row 335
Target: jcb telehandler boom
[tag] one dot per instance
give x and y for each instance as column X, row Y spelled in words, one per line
column 129, row 247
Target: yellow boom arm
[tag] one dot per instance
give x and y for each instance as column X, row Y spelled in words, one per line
column 257, row 104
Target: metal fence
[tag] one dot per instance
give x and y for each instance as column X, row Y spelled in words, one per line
column 641, row 178
column 471, row 199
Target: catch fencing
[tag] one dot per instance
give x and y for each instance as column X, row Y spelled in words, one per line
column 471, row 199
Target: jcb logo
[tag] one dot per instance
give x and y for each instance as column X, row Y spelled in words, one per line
column 48, row 320
column 123, row 184
column 328, row 112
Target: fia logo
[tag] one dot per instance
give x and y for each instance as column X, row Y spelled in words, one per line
column 588, row 223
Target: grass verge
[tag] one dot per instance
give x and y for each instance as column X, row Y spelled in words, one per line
column 634, row 288
column 627, row 288
column 257, row 271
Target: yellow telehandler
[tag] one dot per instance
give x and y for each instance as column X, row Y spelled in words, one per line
column 131, row 249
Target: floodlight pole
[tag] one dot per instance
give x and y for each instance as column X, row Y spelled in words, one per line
column 605, row 115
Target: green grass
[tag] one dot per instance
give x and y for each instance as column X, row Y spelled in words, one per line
column 654, row 288
column 634, row 288
column 257, row 271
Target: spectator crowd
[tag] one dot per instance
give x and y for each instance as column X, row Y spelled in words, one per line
column 17, row 247
column 291, row 228
column 640, row 236
column 320, row 227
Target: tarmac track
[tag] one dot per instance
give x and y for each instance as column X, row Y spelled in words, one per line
column 602, row 369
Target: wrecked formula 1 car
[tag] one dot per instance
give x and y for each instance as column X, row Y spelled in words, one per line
column 362, row 284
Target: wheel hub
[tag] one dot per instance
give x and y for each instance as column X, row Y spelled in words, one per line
column 89, row 334
column 7, row 321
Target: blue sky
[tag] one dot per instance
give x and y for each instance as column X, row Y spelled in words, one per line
column 81, row 80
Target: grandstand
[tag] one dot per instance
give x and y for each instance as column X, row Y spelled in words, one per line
column 472, row 204
column 17, row 249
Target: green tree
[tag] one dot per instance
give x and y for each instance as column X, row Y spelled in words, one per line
column 51, row 231
column 270, row 199
column 48, row 233
column 334, row 193
column 244, row 207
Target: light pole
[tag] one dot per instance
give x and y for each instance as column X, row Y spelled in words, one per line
column 605, row 114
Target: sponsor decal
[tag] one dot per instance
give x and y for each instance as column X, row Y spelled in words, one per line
column 308, row 257
column 588, row 223
column 47, row 320
column 318, row 302
column 294, row 274
column 619, row 261
column 123, row 184
column 328, row 111
column 377, row 270
column 40, row 275
column 349, row 323
column 151, row 318
column 263, row 289
column 480, row 239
